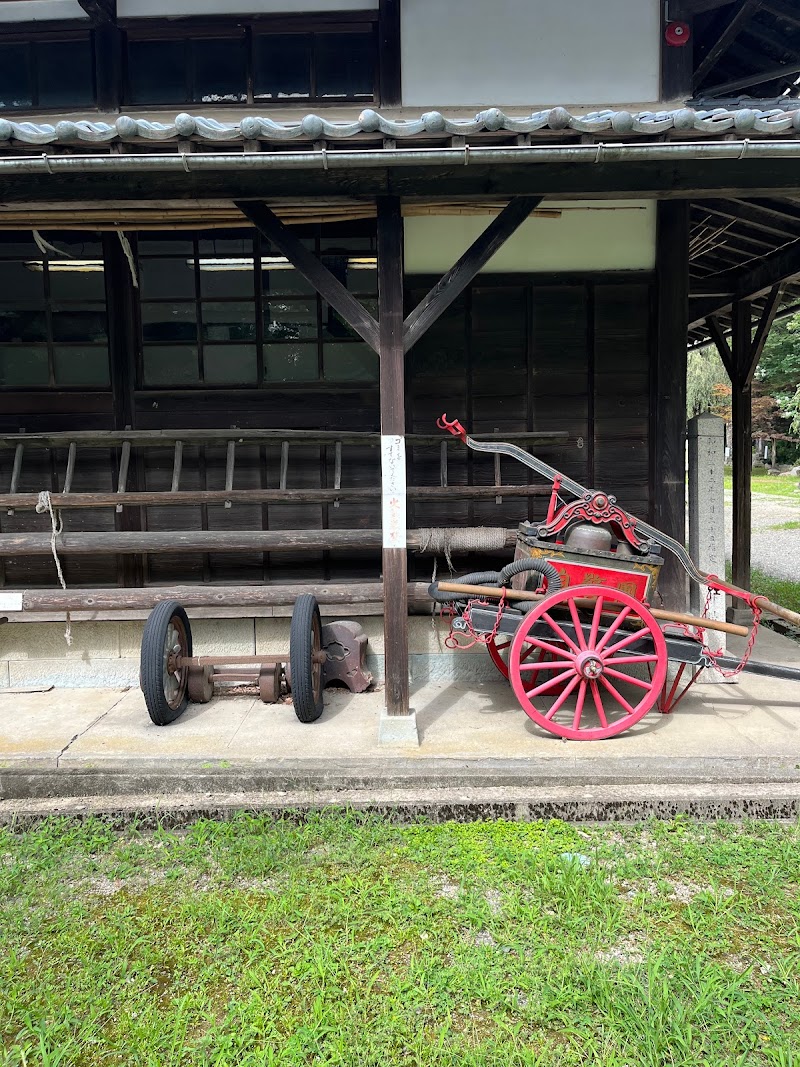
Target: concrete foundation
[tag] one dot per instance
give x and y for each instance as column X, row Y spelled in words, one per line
column 473, row 737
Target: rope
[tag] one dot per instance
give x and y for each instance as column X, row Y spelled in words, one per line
column 44, row 504
column 45, row 246
column 444, row 540
column 126, row 248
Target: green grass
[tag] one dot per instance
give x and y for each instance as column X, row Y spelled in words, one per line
column 767, row 484
column 779, row 590
column 785, row 526
column 349, row 941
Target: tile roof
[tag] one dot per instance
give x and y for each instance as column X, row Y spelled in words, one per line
column 744, row 121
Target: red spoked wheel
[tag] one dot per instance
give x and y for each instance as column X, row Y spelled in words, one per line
column 607, row 665
column 498, row 648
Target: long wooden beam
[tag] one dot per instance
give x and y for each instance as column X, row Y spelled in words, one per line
column 726, row 38
column 315, row 272
column 125, row 542
column 768, row 75
column 768, row 313
column 770, row 221
column 777, row 267
column 448, row 288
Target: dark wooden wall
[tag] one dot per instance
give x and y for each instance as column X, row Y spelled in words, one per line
column 514, row 353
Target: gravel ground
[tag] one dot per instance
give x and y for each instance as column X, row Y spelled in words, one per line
column 776, row 552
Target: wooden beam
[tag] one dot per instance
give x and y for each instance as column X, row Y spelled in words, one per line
column 677, row 62
column 698, row 7
column 723, row 348
column 742, row 420
column 768, row 313
column 735, row 24
column 777, row 267
column 668, row 392
column 111, row 542
column 315, row 272
column 393, row 453
column 784, row 9
column 770, row 221
column 101, row 12
column 389, row 53
column 448, row 288
column 768, row 75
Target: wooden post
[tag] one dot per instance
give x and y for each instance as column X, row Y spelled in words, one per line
column 393, row 469
column 668, row 432
column 742, row 411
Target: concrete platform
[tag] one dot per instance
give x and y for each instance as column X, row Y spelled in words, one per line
column 741, row 739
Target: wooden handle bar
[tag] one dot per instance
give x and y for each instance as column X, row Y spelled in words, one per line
column 765, row 605
column 657, row 613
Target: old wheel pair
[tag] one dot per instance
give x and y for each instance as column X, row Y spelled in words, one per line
column 167, row 645
column 586, row 663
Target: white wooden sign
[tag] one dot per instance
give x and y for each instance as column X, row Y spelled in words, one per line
column 393, row 479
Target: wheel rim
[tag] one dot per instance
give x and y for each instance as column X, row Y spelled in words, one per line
column 592, row 686
column 175, row 679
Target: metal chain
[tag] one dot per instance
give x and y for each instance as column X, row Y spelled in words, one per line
column 452, row 639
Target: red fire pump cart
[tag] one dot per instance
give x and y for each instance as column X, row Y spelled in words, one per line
column 569, row 622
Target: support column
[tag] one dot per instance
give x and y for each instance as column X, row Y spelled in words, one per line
column 397, row 723
column 668, row 426
column 742, row 411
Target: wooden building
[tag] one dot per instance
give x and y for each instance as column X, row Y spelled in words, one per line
column 249, row 252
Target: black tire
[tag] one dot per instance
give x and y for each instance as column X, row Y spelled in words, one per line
column 165, row 692
column 305, row 641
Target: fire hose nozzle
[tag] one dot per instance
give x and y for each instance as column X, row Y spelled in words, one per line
column 453, row 426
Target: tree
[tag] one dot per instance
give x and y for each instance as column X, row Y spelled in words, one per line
column 707, row 384
column 778, row 374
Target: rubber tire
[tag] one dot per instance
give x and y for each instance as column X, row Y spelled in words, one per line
column 305, row 616
column 151, row 669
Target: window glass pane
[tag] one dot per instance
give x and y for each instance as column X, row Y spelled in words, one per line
column 335, row 328
column 290, row 363
column 213, row 246
column 350, row 362
column 79, row 324
column 15, row 78
column 282, row 65
column 345, row 64
column 230, row 364
column 21, row 283
column 283, row 280
column 154, row 245
column 77, row 284
column 65, row 73
column 23, row 366
column 16, row 325
column 171, row 365
column 229, row 322
column 169, row 322
column 219, row 70
column 166, row 277
column 157, row 72
column 289, row 320
column 81, row 366
column 227, row 279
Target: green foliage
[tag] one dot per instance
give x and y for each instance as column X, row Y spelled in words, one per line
column 345, row 941
column 778, row 373
column 707, row 384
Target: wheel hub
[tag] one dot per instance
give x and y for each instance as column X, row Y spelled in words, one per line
column 589, row 665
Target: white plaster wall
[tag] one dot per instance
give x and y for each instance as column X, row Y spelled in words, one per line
column 176, row 8
column 530, row 52
column 41, row 11
column 587, row 236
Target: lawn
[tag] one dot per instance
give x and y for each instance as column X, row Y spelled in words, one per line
column 342, row 940
column 767, row 484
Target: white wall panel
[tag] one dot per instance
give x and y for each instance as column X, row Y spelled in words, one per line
column 41, row 11
column 176, row 8
column 530, row 52
column 587, row 236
